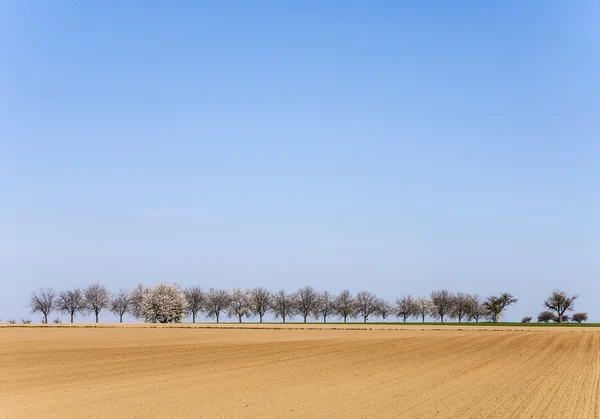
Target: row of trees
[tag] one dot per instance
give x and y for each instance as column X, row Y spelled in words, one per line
column 557, row 305
column 165, row 303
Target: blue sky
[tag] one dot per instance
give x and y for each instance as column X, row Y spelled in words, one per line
column 399, row 147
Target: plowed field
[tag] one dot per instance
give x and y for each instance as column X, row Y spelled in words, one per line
column 428, row 372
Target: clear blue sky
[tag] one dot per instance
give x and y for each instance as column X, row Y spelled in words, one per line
column 399, row 147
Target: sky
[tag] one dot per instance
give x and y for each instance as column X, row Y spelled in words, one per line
column 399, row 147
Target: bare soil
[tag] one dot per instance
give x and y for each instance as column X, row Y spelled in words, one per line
column 299, row 371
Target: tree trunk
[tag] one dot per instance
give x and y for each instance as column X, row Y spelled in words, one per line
column 121, row 318
column 217, row 317
column 345, row 317
column 442, row 318
column 283, row 318
column 194, row 317
column 261, row 316
column 423, row 315
column 365, row 318
column 96, row 317
column 324, row 318
column 72, row 317
column 45, row 318
column 240, row 318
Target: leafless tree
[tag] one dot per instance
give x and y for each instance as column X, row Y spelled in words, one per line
column 545, row 317
column 461, row 306
column 97, row 298
column 561, row 319
column 476, row 308
column 260, row 301
column 580, row 317
column 423, row 308
column 239, row 303
column 384, row 309
column 344, row 305
column 282, row 305
column 324, row 306
column 306, row 300
column 442, row 300
column 195, row 300
column 495, row 305
column 216, row 301
column 28, row 321
column 43, row 302
column 164, row 303
column 560, row 302
column 526, row 320
column 366, row 304
column 120, row 303
column 71, row 302
column 135, row 300
column 406, row 307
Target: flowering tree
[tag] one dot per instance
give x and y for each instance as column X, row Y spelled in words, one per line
column 136, row 296
column 424, row 307
column 164, row 303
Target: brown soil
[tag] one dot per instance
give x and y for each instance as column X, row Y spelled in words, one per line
column 405, row 372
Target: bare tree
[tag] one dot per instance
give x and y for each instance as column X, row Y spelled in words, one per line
column 135, row 300
column 384, row 309
column 495, row 305
column 216, row 301
column 366, row 304
column 43, row 302
column 423, row 308
column 580, row 317
column 406, row 307
column 345, row 305
column 97, row 298
column 545, row 317
column 306, row 300
column 561, row 319
column 239, row 303
column 71, row 302
column 461, row 305
column 195, row 300
column 260, row 301
column 120, row 303
column 164, row 303
column 476, row 308
column 282, row 305
column 324, row 306
column 442, row 300
column 560, row 303
column 526, row 320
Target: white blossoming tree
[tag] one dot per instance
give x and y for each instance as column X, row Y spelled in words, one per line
column 164, row 303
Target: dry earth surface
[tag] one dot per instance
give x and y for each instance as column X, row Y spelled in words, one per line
column 381, row 371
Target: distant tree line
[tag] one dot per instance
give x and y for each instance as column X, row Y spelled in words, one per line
column 168, row 303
